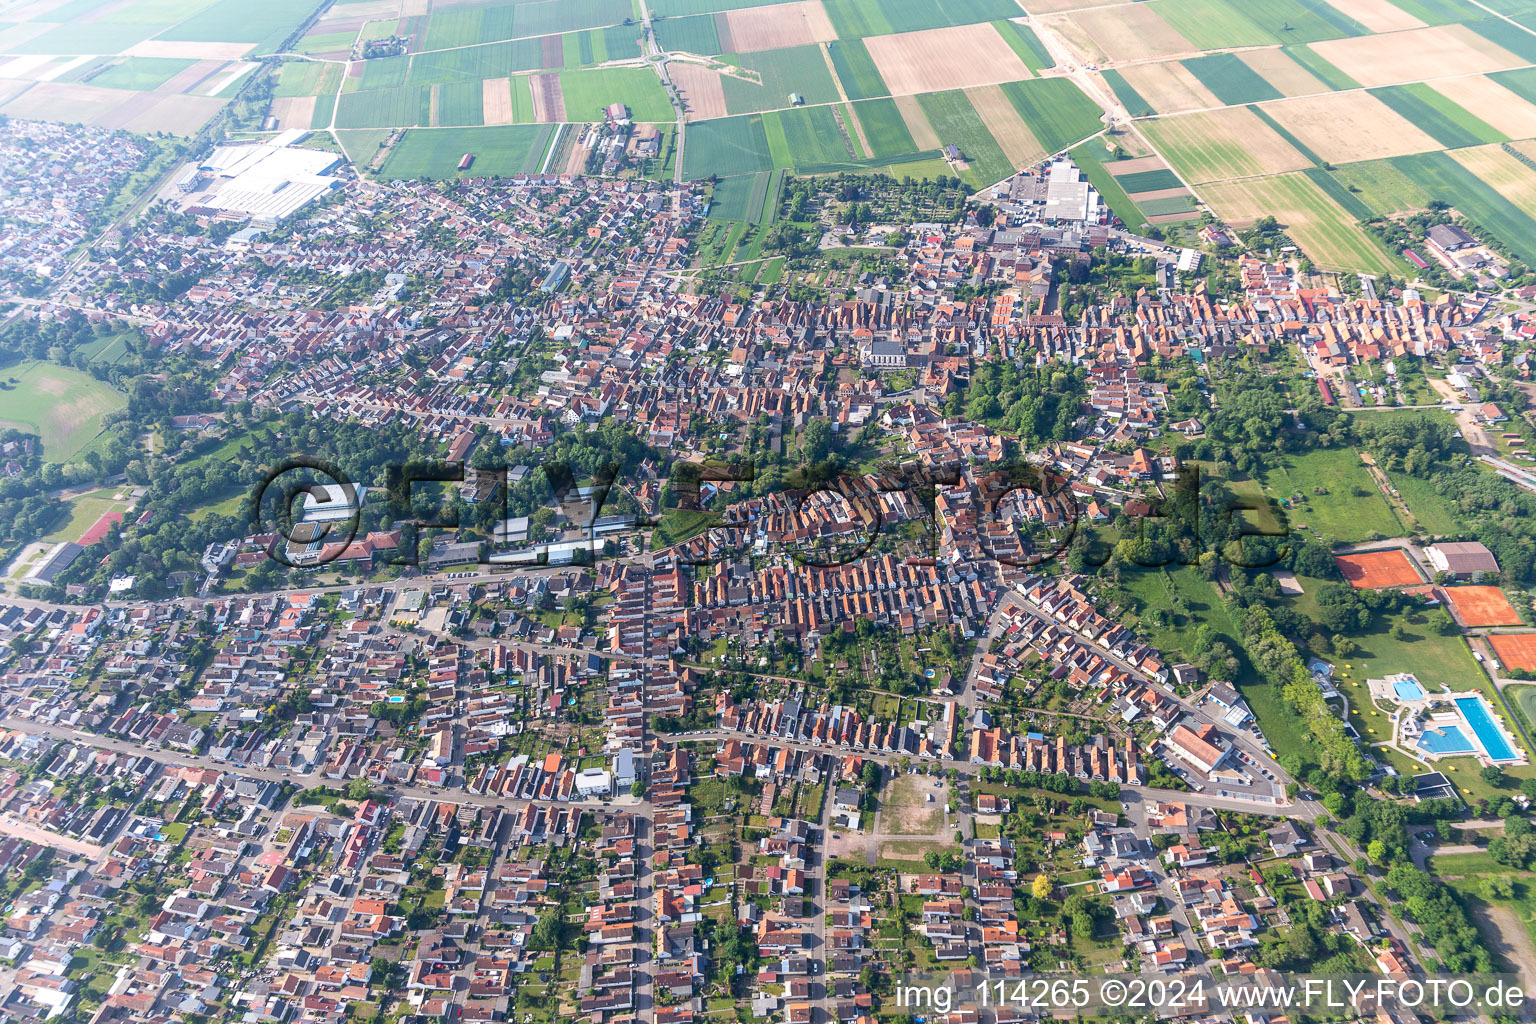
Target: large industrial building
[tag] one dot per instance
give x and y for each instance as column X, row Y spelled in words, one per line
column 265, row 183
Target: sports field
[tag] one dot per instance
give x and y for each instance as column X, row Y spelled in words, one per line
column 63, row 406
column 1372, row 570
column 1482, row 606
column 1515, row 650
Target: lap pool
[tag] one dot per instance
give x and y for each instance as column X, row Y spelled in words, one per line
column 1488, row 733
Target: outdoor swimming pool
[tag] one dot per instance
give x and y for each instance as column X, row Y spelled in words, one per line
column 1445, row 739
column 1488, row 734
column 1408, row 689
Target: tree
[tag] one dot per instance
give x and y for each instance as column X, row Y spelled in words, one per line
column 1041, row 889
column 816, row 441
column 1492, row 775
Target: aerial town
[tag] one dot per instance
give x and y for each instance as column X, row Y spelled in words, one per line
column 801, row 513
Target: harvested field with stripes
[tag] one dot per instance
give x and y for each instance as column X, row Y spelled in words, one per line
column 945, row 58
column 796, row 23
column 1013, row 136
column 1221, row 144
column 548, row 103
column 700, row 89
column 1398, row 57
column 496, row 101
column 1349, row 126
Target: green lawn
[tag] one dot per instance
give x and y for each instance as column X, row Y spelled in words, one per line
column 1341, row 515
column 61, row 405
column 83, row 512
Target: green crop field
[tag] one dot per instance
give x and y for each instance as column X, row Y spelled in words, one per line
column 1441, row 12
column 1322, row 228
column 746, row 197
column 695, row 33
column 855, row 19
column 1382, row 187
column 1148, row 181
column 465, row 24
column 725, row 146
column 1323, row 70
column 678, row 8
column 1135, row 104
column 884, row 127
column 1498, row 31
column 1520, row 81
column 326, row 42
column 1217, row 24
column 266, row 25
column 1089, row 157
column 1451, row 125
column 588, row 92
column 1445, row 179
column 1200, row 154
column 473, row 63
column 856, row 70
column 140, row 73
column 1351, row 203
column 1058, row 113
column 61, row 405
column 307, row 78
column 385, row 108
column 385, row 73
column 1230, row 79
column 1025, row 43
column 956, row 123
column 458, row 103
column 812, row 136
column 1167, row 206
column 797, row 69
column 435, row 152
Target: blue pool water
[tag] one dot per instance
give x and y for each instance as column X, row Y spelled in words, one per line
column 1447, row 739
column 1481, row 720
column 1408, row 689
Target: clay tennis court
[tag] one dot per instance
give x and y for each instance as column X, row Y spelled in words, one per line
column 1482, row 606
column 1372, row 570
column 1515, row 650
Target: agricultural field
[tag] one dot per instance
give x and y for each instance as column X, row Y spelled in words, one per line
column 61, row 405
column 586, row 93
column 726, row 146
column 1325, row 231
column 856, row 70
column 1230, row 79
column 771, row 75
column 1443, row 178
column 1509, row 176
column 1119, row 34
column 1025, row 43
column 435, row 152
column 753, row 198
column 1498, row 106
column 1448, row 123
column 1214, row 24
column 1347, row 126
column 956, row 123
column 1400, row 57
column 1383, row 188
column 857, row 19
column 945, row 58
column 884, row 128
column 1056, row 110
column 1221, row 144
